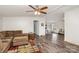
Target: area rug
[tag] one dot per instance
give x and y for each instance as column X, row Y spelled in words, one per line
column 24, row 49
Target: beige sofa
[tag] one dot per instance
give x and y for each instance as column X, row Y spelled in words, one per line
column 18, row 38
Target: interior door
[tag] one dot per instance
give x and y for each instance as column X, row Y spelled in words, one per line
column 36, row 27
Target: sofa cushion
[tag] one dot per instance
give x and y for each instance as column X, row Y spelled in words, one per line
column 20, row 38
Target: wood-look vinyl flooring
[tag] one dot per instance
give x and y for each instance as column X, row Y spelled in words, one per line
column 54, row 43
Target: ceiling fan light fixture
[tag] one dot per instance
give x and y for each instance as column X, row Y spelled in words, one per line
column 37, row 13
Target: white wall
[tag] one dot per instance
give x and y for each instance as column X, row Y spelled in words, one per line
column 72, row 26
column 18, row 23
column 42, row 28
column 22, row 23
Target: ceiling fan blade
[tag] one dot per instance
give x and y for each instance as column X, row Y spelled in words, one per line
column 43, row 8
column 43, row 12
column 31, row 7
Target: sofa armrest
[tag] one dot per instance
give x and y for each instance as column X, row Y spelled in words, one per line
column 6, row 43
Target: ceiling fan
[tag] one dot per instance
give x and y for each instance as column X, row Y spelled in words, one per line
column 38, row 10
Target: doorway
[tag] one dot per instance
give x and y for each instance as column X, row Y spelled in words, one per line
column 36, row 27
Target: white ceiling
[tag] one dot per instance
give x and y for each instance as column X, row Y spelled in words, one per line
column 19, row 10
